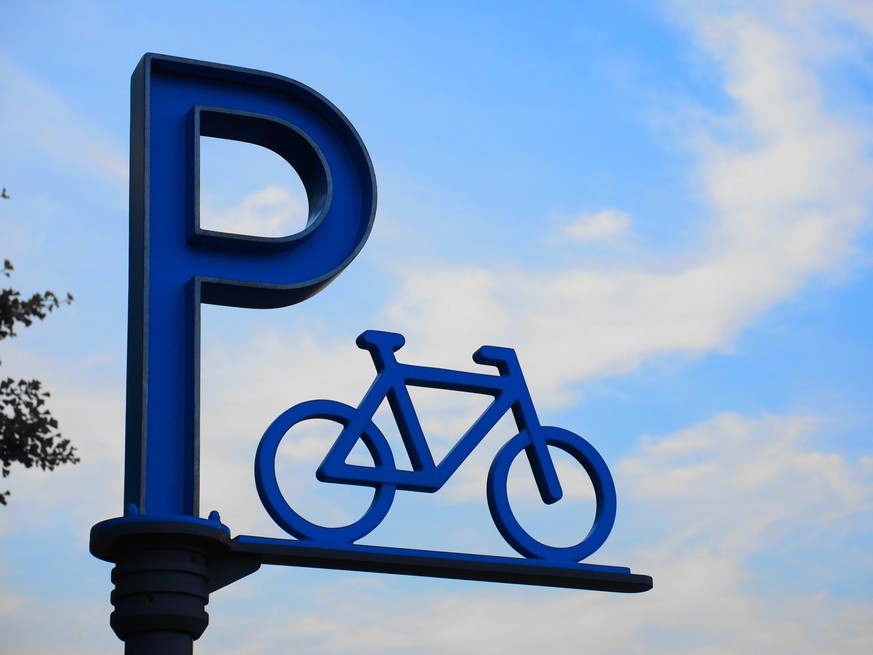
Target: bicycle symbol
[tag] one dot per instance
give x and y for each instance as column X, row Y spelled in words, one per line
column 393, row 378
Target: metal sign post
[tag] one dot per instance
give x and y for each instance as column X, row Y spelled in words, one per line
column 168, row 559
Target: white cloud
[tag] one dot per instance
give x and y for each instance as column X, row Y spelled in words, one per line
column 698, row 508
column 698, row 609
column 785, row 199
column 707, row 500
column 607, row 225
column 786, row 184
column 268, row 212
column 786, row 181
column 736, row 484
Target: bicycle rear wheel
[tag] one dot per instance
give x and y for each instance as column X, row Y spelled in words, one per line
column 604, row 489
column 268, row 485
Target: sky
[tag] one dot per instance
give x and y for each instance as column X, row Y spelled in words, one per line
column 664, row 207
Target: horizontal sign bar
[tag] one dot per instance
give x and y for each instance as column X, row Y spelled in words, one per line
column 435, row 564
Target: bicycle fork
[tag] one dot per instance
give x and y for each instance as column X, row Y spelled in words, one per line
column 525, row 415
column 541, row 463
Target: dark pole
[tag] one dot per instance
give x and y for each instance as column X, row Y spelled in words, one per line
column 160, row 595
column 164, row 572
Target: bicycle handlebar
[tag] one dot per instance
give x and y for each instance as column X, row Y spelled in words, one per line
column 504, row 359
column 380, row 343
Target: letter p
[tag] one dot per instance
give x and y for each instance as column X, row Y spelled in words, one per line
column 175, row 264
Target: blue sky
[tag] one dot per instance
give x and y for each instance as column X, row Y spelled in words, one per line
column 663, row 206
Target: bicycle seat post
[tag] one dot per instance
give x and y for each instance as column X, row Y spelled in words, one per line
column 382, row 346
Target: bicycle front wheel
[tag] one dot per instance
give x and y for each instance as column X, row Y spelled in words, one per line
column 604, row 490
column 268, row 485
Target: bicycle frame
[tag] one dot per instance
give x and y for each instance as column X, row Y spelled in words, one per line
column 393, row 378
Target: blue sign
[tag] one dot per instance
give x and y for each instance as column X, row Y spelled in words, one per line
column 175, row 264
column 510, row 393
column 168, row 559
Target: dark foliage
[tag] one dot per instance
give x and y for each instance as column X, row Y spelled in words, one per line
column 28, row 433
